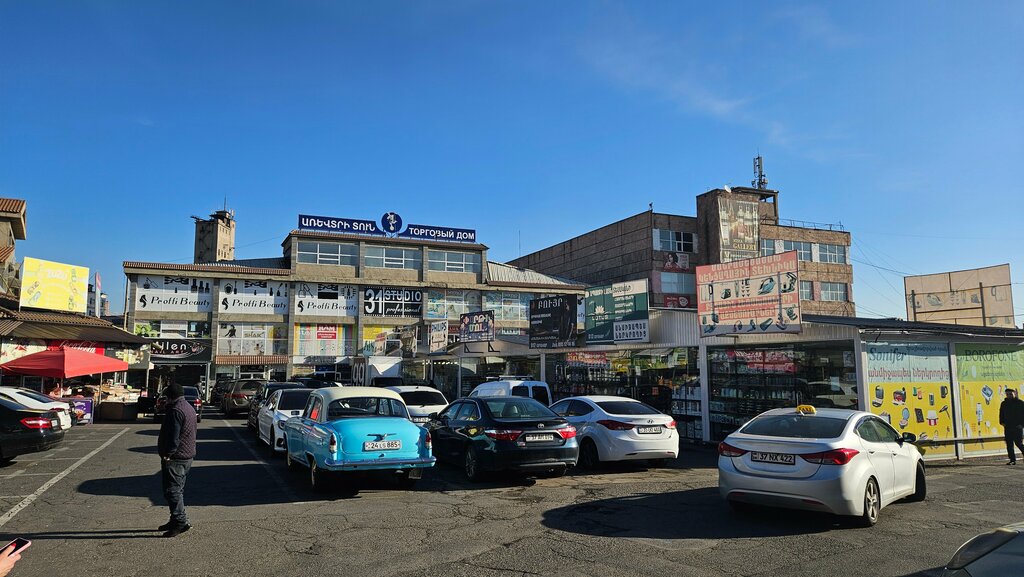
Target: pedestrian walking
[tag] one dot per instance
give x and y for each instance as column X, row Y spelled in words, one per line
column 1011, row 417
column 177, row 448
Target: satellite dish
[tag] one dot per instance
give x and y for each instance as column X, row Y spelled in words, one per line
column 727, row 188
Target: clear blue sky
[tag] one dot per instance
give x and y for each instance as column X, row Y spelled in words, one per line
column 903, row 121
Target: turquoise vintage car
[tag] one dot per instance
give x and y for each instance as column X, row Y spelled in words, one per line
column 346, row 429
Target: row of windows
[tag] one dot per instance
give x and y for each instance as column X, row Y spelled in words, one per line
column 830, row 291
column 672, row 241
column 830, row 253
column 333, row 253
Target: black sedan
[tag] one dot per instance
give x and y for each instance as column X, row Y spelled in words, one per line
column 503, row 434
column 260, row 398
column 191, row 395
column 24, row 430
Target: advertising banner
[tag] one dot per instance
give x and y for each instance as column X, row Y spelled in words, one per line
column 180, row 294
column 16, row 348
column 392, row 302
column 343, row 225
column 617, row 313
column 380, row 340
column 83, row 410
column 984, row 372
column 739, row 225
column 252, row 339
column 752, row 296
column 136, row 358
column 438, row 337
column 909, row 386
column 326, row 299
column 253, row 297
column 54, row 286
column 476, row 327
column 553, row 322
column 180, row 351
column 390, row 225
column 319, row 340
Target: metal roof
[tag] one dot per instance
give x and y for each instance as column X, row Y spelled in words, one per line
column 498, row 274
column 892, row 324
column 12, row 205
column 211, row 267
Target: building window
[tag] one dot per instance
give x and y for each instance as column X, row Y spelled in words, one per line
column 767, row 247
column 678, row 283
column 329, row 253
column 508, row 306
column 806, row 290
column 449, row 261
column 803, row 249
column 672, row 241
column 833, row 253
column 451, row 303
column 388, row 257
column 833, row 291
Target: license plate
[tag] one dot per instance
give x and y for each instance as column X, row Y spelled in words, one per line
column 382, row 445
column 776, row 458
column 531, row 438
column 648, row 430
column 55, row 423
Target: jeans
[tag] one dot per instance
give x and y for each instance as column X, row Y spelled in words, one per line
column 173, row 474
column 1013, row 436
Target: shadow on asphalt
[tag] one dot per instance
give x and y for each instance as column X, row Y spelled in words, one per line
column 935, row 572
column 144, row 533
column 659, row 516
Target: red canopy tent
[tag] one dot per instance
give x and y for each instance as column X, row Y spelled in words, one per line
column 64, row 363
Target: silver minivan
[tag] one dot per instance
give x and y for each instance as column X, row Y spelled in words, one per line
column 536, row 390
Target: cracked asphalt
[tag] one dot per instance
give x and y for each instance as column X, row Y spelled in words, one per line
column 252, row 517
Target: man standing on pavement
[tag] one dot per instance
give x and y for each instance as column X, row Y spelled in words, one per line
column 1011, row 417
column 177, row 448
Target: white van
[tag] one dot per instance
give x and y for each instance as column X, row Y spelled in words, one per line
column 536, row 390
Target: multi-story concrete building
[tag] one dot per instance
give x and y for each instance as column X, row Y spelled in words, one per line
column 730, row 225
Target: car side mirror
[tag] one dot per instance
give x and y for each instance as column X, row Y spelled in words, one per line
column 907, row 438
column 432, row 416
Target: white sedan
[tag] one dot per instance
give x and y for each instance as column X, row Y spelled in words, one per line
column 619, row 429
column 831, row 460
column 282, row 405
column 36, row 400
column 421, row 401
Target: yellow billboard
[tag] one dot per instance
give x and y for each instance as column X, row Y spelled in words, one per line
column 53, row 285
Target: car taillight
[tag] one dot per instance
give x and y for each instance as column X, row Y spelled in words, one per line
column 615, row 425
column 670, row 425
column 833, row 457
column 36, row 423
column 568, row 432
column 727, row 450
column 332, row 446
column 503, row 434
column 427, row 442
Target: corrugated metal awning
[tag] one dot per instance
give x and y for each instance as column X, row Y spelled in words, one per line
column 100, row 334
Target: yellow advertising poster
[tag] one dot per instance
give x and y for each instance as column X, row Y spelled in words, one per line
column 985, row 372
column 909, row 386
column 53, row 285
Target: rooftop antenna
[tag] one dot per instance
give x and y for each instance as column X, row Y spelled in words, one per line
column 760, row 181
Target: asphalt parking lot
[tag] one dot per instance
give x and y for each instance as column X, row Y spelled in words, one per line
column 91, row 506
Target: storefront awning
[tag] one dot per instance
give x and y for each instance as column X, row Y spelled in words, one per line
column 102, row 334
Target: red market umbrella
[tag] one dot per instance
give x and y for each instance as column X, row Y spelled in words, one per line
column 64, row 363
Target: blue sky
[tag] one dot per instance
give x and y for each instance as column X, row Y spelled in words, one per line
column 903, row 121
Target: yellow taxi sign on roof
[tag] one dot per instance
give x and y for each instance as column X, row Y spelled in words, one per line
column 806, row 410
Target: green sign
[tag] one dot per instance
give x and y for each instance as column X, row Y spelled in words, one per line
column 977, row 363
column 617, row 313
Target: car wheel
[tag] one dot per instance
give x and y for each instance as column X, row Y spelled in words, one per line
column 658, row 463
column 471, row 465
column 288, row 462
column 405, row 481
column 589, row 457
column 872, row 504
column 920, row 486
column 199, row 418
column 317, row 478
column 270, row 443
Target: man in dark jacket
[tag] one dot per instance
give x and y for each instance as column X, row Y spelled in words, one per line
column 1011, row 417
column 177, row 448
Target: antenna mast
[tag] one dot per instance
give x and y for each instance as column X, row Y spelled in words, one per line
column 760, row 181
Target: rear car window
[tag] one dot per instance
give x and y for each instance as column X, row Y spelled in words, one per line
column 515, row 408
column 627, row 408
column 293, row 400
column 520, row 391
column 190, row 391
column 366, row 407
column 250, row 386
column 541, row 394
column 423, row 398
column 795, row 426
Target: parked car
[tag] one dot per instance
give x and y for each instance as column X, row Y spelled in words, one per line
column 387, row 382
column 262, row 395
column 218, row 391
column 315, row 383
column 832, row 394
column 832, row 460
column 283, row 404
column 538, row 390
column 238, row 397
column 36, row 400
column 619, row 429
column 346, row 429
column 193, row 397
column 24, row 430
column 993, row 554
column 504, row 433
column 422, row 401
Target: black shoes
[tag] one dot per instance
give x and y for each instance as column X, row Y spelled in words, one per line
column 176, row 530
column 1012, row 463
column 166, row 526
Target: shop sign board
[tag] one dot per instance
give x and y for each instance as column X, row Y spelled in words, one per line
column 476, row 327
column 378, row 340
column 137, row 358
column 179, row 294
column 739, row 225
column 326, row 299
column 553, row 322
column 390, row 225
column 253, row 297
column 321, row 341
column 909, row 387
column 984, row 372
column 977, row 297
column 754, row 296
column 617, row 313
column 180, row 351
column 385, row 301
column 15, row 348
column 54, row 285
column 438, row 337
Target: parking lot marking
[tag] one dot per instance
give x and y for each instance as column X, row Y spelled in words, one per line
column 273, row 473
column 31, row 498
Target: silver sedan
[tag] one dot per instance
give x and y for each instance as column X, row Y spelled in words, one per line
column 831, row 460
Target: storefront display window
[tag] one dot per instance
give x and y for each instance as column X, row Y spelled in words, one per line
column 252, row 339
column 319, row 340
column 449, row 304
column 509, row 306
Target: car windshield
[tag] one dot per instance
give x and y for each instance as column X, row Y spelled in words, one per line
column 795, row 426
column 423, row 398
column 36, row 396
column 366, row 407
column 627, row 408
column 293, row 400
column 190, row 391
column 518, row 408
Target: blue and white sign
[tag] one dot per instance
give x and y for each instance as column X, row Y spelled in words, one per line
column 390, row 225
column 426, row 232
column 333, row 224
column 391, row 222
